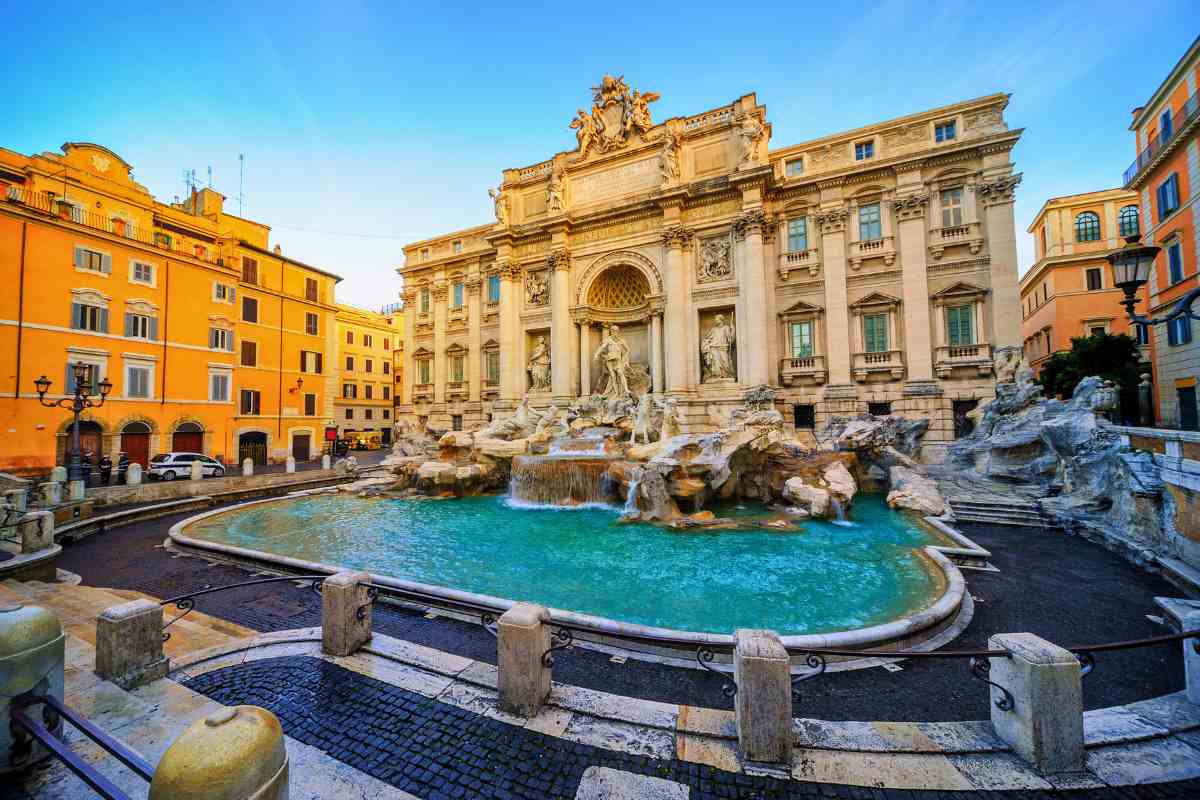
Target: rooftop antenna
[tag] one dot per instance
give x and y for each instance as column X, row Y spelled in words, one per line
column 241, row 181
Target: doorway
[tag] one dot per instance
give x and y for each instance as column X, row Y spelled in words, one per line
column 302, row 447
column 135, row 443
column 253, row 445
column 188, row 438
column 1189, row 420
column 91, row 445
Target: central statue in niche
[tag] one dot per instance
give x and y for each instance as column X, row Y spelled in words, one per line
column 613, row 356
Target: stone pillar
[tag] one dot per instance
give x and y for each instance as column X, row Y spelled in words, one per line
column 512, row 371
column 129, row 644
column 585, row 357
column 1191, row 657
column 59, row 474
column 52, row 492
column 997, row 196
column 16, row 498
column 562, row 373
column 676, row 312
column 1045, row 724
column 133, row 475
column 196, row 471
column 522, row 637
column 410, row 333
column 345, row 613
column 440, row 376
column 289, row 465
column 918, row 349
column 837, row 316
column 1145, row 401
column 762, row 671
column 37, row 531
column 247, row 467
column 326, row 462
column 752, row 327
column 34, row 645
column 656, row 353
column 474, row 340
column 76, row 490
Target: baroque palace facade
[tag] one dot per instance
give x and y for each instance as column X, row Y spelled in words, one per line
column 213, row 341
column 871, row 270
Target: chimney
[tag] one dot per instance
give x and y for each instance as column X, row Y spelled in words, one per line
column 1137, row 110
column 278, row 250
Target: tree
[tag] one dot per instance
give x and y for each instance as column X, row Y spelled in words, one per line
column 1113, row 358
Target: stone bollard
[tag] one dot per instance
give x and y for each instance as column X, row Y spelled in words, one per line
column 762, row 671
column 133, row 475
column 1045, row 724
column 522, row 638
column 129, row 643
column 76, row 490
column 34, row 652
column 1191, row 658
column 325, row 462
column 247, row 468
column 37, row 531
column 52, row 493
column 59, row 474
column 17, row 499
column 234, row 753
column 289, row 466
column 197, row 471
column 343, row 628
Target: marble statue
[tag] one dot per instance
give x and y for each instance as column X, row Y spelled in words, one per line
column 548, row 424
column 500, row 201
column 613, row 356
column 751, row 132
column 670, row 420
column 539, row 366
column 1007, row 362
column 586, row 131
column 518, row 426
column 639, row 111
column 554, row 194
column 717, row 351
column 669, row 160
column 641, row 422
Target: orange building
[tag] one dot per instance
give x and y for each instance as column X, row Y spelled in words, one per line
column 158, row 299
column 1069, row 290
column 1166, row 177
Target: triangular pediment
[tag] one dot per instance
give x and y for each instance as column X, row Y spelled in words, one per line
column 803, row 307
column 876, row 299
column 456, row 348
column 960, row 289
column 422, row 352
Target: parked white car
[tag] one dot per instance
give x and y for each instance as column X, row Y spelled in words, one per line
column 169, row 466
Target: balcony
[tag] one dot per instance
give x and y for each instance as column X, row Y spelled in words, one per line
column 968, row 234
column 422, row 393
column 491, row 390
column 808, row 369
column 883, row 247
column 457, row 390
column 948, row 358
column 886, row 363
column 799, row 259
column 1157, row 145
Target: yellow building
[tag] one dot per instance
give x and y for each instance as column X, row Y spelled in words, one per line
column 395, row 318
column 213, row 342
column 366, row 343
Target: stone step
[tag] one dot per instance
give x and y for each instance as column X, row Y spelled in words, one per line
column 987, row 505
column 1017, row 520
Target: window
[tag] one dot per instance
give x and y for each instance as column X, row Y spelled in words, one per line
column 91, row 377
column 310, row 289
column 869, row 227
column 879, row 409
column 249, row 309
column 458, row 295
column 387, row 343
column 804, row 416
column 864, row 150
column 141, row 272
column 458, row 246
column 1095, row 279
column 310, row 361
column 960, row 323
column 387, row 393
column 387, row 368
column 952, row 208
column 141, row 326
column 424, row 253
column 1143, row 334
column 794, row 167
column 456, row 369
column 802, row 341
column 1044, row 240
column 218, row 387
column 366, row 340
column 349, row 391
column 93, row 261
column 369, row 392
column 1168, row 196
column 424, row 301
column 875, row 333
column 86, row 317
column 492, row 367
column 223, row 293
column 349, row 337
column 1179, row 331
column 137, row 381
column 368, row 365
column 1127, row 221
column 387, row 413
column 797, row 233
column 249, row 353
column 349, row 363
column 368, row 413
column 493, row 295
column 310, row 405
column 249, row 270
column 349, row 413
column 423, row 371
column 1175, row 261
column 1165, row 129
column 944, row 131
column 220, row 339
column 1087, row 227
column 456, row 422
column 310, row 323
column 1097, row 330
column 250, row 401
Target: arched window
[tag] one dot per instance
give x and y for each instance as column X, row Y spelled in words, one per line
column 1127, row 221
column 1087, row 227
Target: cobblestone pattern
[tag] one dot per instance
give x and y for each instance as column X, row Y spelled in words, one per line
column 436, row 751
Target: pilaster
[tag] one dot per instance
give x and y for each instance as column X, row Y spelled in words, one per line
column 474, row 338
column 512, row 371
column 562, row 370
column 918, row 349
column 438, row 296
column 678, row 308
column 753, row 369
column 832, row 225
column 996, row 196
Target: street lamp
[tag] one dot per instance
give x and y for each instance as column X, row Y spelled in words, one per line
column 1131, row 267
column 82, row 400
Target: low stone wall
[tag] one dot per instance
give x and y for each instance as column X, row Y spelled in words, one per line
column 159, row 491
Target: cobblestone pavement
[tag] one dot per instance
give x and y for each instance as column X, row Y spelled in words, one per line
column 434, row 750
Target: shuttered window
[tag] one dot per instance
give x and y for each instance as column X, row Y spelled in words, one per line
column 249, row 354
column 137, row 381
column 310, row 405
column 960, row 325
column 91, row 378
column 456, row 369
column 249, row 270
column 387, row 393
column 797, row 233
column 310, row 361
column 220, row 339
column 492, row 367
column 310, row 289
column 250, row 401
column 310, row 324
column 218, row 387
column 141, row 326
column 85, row 317
column 1168, row 196
column 875, row 333
column 368, row 365
column 249, row 309
column 93, row 260
column 802, row 343
column 368, row 392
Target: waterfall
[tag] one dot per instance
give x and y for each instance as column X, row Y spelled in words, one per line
column 635, row 484
column 839, row 512
column 559, row 481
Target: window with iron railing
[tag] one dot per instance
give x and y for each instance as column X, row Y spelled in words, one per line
column 1165, row 135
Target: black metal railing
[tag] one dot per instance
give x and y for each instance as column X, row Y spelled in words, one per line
column 1189, row 111
column 187, row 602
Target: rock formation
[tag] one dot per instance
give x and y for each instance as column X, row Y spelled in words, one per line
column 912, row 491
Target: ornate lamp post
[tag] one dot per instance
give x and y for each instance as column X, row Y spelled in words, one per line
column 1131, row 267
column 82, row 400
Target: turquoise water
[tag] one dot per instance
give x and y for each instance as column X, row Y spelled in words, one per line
column 826, row 577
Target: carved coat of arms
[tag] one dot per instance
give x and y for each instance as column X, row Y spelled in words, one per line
column 617, row 115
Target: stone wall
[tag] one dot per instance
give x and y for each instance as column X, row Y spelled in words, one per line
column 174, row 490
column 1176, row 454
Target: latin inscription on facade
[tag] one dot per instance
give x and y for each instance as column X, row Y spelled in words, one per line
column 619, row 180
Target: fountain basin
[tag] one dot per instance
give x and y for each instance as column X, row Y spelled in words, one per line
column 882, row 584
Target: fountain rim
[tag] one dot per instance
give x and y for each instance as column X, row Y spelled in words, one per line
column 931, row 619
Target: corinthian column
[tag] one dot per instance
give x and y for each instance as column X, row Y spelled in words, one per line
column 676, row 311
column 438, row 294
column 832, row 224
column 656, row 353
column 562, row 372
column 996, row 195
column 585, row 357
column 410, row 332
column 752, row 328
column 512, row 371
column 475, row 339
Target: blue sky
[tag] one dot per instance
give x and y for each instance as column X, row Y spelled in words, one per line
column 389, row 121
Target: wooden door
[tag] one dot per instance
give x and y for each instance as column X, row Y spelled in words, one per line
column 187, row 442
column 301, row 444
column 137, row 447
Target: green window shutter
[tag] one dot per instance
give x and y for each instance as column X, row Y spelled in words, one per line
column 69, row 382
column 104, row 320
column 130, row 325
column 106, row 264
column 76, row 316
column 875, row 333
column 154, row 328
column 959, row 321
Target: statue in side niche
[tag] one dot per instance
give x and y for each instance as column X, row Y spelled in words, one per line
column 717, row 351
column 641, row 421
column 539, row 366
column 669, row 160
column 554, row 194
column 500, row 201
column 751, row 133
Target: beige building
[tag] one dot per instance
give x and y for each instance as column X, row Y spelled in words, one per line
column 874, row 269
column 365, row 341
